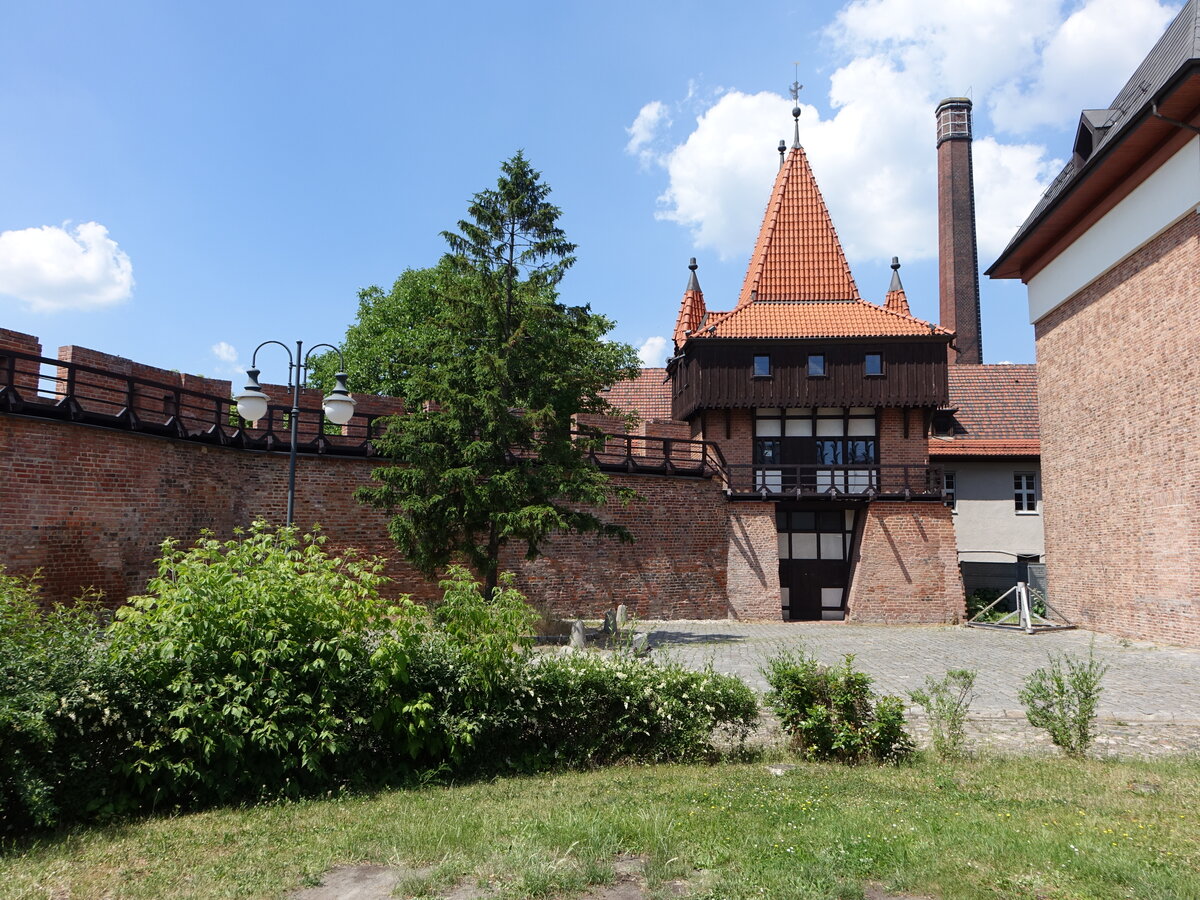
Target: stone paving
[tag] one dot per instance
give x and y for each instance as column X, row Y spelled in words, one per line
column 1150, row 704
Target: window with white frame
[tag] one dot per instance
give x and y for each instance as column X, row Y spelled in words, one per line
column 1025, row 492
column 950, row 488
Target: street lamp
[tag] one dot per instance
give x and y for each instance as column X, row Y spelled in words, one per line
column 338, row 406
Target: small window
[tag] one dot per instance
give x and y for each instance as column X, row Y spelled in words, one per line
column 762, row 367
column 1025, row 492
column 950, row 489
column 873, row 364
column 816, row 365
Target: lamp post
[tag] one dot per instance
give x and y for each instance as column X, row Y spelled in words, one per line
column 338, row 406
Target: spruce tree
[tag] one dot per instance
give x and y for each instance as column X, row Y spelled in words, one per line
column 494, row 369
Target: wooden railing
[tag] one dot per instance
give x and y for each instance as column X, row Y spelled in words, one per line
column 91, row 395
column 858, row 481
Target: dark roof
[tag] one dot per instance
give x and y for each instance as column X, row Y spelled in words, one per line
column 1179, row 45
column 648, row 395
column 996, row 411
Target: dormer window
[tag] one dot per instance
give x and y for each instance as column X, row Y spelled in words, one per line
column 816, row 365
column 762, row 366
column 1093, row 125
column 873, row 364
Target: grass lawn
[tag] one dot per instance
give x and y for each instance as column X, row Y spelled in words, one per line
column 1008, row 827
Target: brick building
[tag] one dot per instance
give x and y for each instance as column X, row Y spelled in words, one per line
column 819, row 404
column 1111, row 257
column 986, row 441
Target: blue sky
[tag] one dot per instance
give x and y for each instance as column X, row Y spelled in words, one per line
column 183, row 181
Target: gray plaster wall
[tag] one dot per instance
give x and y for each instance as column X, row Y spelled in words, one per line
column 987, row 526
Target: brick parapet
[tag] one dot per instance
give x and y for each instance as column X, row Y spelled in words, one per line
column 1121, row 477
column 25, row 372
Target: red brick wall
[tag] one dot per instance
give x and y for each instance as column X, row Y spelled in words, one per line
column 1117, row 399
column 906, row 566
column 753, row 562
column 89, row 506
column 738, row 424
column 896, row 449
column 675, row 569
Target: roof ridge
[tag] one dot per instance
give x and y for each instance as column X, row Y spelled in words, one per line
column 908, row 316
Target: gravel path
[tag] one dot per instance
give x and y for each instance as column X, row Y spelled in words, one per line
column 1150, row 704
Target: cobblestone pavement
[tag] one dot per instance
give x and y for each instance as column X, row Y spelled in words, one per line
column 1150, row 704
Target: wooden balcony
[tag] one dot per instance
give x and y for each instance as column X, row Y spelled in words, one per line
column 827, row 482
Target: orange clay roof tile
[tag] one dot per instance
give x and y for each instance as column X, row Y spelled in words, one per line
column 691, row 313
column 648, row 395
column 940, row 447
column 798, row 255
column 835, row 319
column 798, row 284
column 897, row 301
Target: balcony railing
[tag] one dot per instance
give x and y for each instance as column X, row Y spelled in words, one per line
column 817, row 481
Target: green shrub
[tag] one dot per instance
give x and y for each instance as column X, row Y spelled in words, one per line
column 502, row 708
column 981, row 598
column 489, row 634
column 946, row 702
column 268, row 667
column 1062, row 699
column 59, row 719
column 830, row 712
column 592, row 709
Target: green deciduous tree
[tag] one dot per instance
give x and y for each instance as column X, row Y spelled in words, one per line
column 378, row 348
column 492, row 368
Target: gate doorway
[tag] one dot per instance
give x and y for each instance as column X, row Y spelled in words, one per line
column 815, row 544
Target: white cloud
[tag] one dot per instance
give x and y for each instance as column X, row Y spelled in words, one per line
column 1009, row 180
column 1026, row 62
column 52, row 269
column 654, row 351
column 644, row 130
column 1083, row 63
column 227, row 356
column 720, row 175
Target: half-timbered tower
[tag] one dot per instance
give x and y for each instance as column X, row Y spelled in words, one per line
column 820, row 403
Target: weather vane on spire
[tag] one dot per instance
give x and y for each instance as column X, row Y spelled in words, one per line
column 795, row 89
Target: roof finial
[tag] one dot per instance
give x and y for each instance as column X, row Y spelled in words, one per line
column 895, row 285
column 795, row 89
column 782, row 151
column 693, row 282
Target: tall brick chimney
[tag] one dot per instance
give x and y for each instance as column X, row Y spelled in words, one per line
column 958, row 258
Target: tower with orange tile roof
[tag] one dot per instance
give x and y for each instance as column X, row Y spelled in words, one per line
column 820, row 403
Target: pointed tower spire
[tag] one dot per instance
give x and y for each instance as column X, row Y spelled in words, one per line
column 798, row 255
column 796, row 88
column 691, row 311
column 896, row 300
